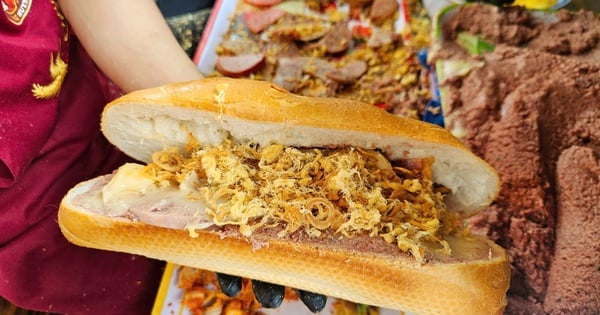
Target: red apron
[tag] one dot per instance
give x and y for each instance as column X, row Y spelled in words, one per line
column 49, row 141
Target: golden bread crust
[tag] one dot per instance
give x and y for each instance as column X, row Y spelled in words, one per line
column 211, row 110
column 265, row 101
column 143, row 122
column 471, row 286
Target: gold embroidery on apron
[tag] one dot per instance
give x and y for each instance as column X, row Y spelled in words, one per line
column 58, row 71
column 58, row 67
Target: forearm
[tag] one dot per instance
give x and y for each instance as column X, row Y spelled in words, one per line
column 130, row 42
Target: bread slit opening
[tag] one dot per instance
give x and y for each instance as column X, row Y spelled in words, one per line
column 344, row 192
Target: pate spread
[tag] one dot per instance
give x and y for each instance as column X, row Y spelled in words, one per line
column 531, row 108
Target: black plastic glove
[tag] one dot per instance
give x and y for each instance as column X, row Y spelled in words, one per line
column 270, row 295
column 267, row 294
column 230, row 285
column 314, row 301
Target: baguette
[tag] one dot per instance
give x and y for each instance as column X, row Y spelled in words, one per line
column 473, row 279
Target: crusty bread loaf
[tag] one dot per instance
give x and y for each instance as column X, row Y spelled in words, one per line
column 474, row 280
column 147, row 121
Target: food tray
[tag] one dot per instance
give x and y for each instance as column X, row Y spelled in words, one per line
column 219, row 22
column 169, row 300
column 378, row 65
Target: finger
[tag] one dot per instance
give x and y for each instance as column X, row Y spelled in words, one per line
column 230, row 285
column 314, row 301
column 267, row 294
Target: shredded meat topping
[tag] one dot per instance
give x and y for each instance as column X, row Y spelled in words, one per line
column 345, row 191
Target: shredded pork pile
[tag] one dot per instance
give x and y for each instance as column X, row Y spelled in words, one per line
column 346, row 192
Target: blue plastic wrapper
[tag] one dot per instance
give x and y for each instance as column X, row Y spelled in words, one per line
column 433, row 110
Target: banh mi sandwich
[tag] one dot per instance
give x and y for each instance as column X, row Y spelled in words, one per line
column 326, row 195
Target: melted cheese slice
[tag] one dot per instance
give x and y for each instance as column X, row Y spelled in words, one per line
column 132, row 193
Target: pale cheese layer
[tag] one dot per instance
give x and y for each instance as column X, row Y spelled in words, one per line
column 132, row 193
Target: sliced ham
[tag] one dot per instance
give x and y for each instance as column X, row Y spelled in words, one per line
column 349, row 73
column 234, row 66
column 381, row 10
column 289, row 73
column 338, row 39
column 260, row 20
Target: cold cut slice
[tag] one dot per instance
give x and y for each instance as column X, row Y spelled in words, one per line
column 338, row 39
column 261, row 20
column 382, row 10
column 349, row 73
column 239, row 65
